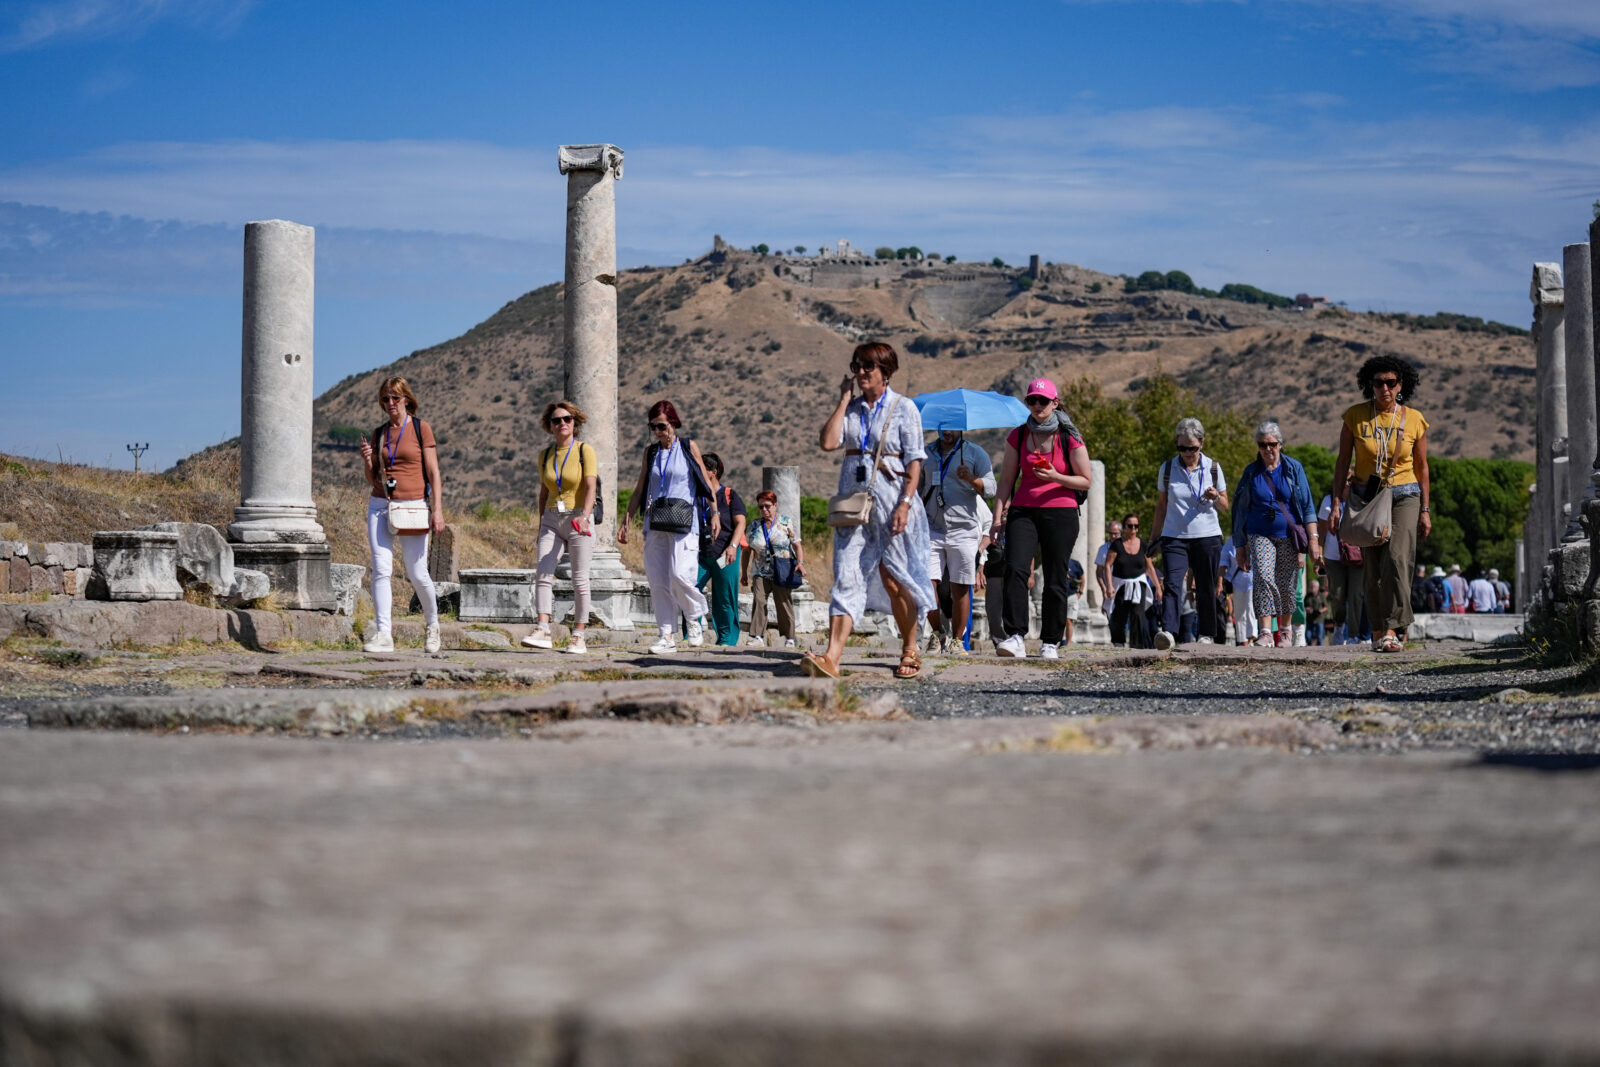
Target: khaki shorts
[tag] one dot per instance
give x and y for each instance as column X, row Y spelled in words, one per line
column 955, row 561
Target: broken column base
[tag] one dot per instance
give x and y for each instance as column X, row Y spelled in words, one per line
column 494, row 594
column 301, row 574
column 135, row 565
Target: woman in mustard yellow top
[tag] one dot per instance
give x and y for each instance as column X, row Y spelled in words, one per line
column 1387, row 438
column 568, row 475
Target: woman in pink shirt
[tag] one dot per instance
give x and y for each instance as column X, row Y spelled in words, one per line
column 1039, row 513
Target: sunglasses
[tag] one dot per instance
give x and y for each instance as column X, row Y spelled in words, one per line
column 1130, row 526
column 1038, row 401
column 863, row 368
column 1187, row 449
column 387, row 400
column 659, row 426
column 561, row 418
column 1267, row 444
column 1386, row 383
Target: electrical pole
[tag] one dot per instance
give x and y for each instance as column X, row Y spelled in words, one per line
column 137, row 450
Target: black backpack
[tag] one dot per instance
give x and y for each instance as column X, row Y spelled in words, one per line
column 1436, row 595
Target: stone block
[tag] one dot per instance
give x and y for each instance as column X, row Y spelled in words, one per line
column 301, row 574
column 75, row 581
column 347, row 579
column 444, row 554
column 88, row 624
column 59, row 554
column 248, row 587
column 5, row 551
column 137, row 564
column 1572, row 569
column 18, row 566
column 205, row 560
column 497, row 595
column 449, row 598
column 44, row 579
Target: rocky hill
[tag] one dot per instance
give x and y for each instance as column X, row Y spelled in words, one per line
column 751, row 347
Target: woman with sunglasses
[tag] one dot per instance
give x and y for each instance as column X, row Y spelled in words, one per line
column 1387, row 439
column 569, row 471
column 673, row 475
column 772, row 538
column 1130, row 574
column 1190, row 494
column 882, row 565
column 402, row 464
column 1274, row 492
column 1045, row 469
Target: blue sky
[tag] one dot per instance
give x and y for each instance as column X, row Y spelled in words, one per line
column 1412, row 155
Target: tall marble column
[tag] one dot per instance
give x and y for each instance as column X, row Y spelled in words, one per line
column 785, row 482
column 1095, row 535
column 590, row 348
column 1546, row 519
column 1578, row 339
column 809, row 616
column 275, row 526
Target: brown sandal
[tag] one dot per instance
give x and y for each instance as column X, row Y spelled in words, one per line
column 910, row 665
column 817, row 667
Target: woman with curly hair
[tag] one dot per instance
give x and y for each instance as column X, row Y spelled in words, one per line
column 1387, row 439
column 569, row 473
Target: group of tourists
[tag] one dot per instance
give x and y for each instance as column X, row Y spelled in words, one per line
column 914, row 535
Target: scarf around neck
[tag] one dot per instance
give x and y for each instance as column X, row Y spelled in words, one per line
column 1057, row 420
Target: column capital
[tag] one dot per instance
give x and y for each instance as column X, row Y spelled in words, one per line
column 601, row 157
column 1546, row 289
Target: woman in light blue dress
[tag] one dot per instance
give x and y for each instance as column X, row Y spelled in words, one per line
column 882, row 565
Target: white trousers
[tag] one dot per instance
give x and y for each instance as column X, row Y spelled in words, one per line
column 672, row 563
column 414, row 552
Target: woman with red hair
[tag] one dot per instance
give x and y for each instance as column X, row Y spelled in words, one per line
column 672, row 485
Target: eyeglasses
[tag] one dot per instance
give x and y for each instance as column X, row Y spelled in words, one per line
column 659, row 426
column 1268, row 444
column 1187, row 449
column 862, row 368
column 562, row 418
column 1130, row 526
column 387, row 400
column 1038, row 401
column 1386, row 383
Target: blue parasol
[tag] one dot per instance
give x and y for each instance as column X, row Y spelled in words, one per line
column 969, row 409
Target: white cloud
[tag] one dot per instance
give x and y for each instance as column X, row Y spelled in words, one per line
column 54, row 21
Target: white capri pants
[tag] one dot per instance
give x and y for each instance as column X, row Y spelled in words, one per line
column 672, row 563
column 555, row 534
column 414, row 551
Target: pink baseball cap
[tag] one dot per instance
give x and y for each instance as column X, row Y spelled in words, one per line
column 1043, row 387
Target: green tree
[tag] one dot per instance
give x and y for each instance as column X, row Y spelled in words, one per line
column 349, row 436
column 884, row 252
column 949, row 259
column 761, row 249
column 1178, row 280
column 1318, row 462
column 1479, row 507
column 799, row 250
column 997, row 262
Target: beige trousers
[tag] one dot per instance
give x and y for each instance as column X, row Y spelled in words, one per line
column 781, row 599
column 1387, row 569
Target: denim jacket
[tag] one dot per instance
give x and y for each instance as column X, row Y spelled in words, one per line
column 1299, row 502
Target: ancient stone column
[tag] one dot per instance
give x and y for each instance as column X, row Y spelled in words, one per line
column 785, row 482
column 275, row 528
column 809, row 616
column 1578, row 340
column 275, row 418
column 590, row 348
column 1095, row 536
column 1546, row 520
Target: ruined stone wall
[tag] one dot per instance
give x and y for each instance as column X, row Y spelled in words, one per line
column 60, row 567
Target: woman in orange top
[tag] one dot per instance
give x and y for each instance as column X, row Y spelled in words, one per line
column 1387, row 438
column 402, row 464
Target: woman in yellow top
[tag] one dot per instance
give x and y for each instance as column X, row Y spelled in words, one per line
column 568, row 476
column 1388, row 440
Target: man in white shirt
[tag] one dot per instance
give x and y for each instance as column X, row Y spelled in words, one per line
column 1113, row 534
column 1481, row 596
column 955, row 477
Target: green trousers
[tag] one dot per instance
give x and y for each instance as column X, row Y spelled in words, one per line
column 724, row 597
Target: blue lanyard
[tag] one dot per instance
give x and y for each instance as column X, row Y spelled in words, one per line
column 663, row 455
column 392, row 446
column 563, row 466
column 866, row 422
column 944, row 464
column 1200, row 467
column 766, row 531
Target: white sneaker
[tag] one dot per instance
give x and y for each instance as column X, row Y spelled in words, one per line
column 1049, row 651
column 756, row 642
column 788, row 642
column 382, row 641
column 1164, row 641
column 697, row 634
column 430, row 639
column 1299, row 632
column 1204, row 641
column 577, row 644
column 935, row 642
column 1013, row 647
column 540, row 638
column 664, row 646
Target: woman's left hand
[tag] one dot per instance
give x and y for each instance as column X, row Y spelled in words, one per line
column 437, row 523
column 898, row 520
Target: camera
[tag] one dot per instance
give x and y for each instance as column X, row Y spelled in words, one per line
column 390, row 483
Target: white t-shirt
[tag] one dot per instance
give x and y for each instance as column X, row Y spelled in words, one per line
column 1481, row 592
column 1188, row 514
column 1330, row 543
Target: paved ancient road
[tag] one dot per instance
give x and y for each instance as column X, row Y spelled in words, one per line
column 1183, row 862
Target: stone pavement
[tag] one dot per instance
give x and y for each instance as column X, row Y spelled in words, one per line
column 710, row 859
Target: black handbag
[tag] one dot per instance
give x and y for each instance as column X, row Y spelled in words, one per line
column 671, row 514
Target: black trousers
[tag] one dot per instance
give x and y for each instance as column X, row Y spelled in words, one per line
column 1047, row 534
column 1179, row 556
